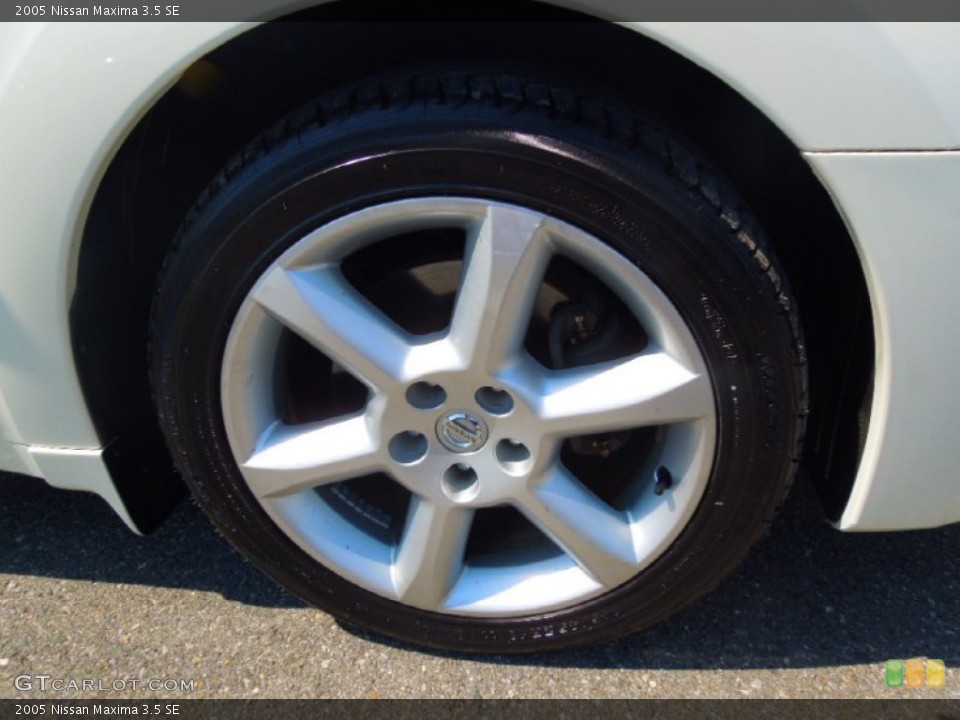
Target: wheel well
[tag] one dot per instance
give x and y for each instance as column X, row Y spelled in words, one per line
column 236, row 91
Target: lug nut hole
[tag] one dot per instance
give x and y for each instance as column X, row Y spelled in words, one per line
column 514, row 457
column 407, row 447
column 460, row 482
column 495, row 402
column 426, row 396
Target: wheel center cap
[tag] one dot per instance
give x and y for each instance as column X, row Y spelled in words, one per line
column 461, row 432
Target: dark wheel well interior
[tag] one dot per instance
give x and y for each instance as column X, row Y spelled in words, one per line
column 238, row 90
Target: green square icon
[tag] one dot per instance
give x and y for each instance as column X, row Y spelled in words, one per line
column 894, row 673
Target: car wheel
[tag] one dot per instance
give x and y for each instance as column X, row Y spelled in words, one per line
column 480, row 363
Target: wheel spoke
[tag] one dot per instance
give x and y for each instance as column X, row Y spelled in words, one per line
column 323, row 308
column 291, row 459
column 503, row 268
column 595, row 535
column 430, row 554
column 649, row 389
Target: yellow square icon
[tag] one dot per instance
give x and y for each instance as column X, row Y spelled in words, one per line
column 914, row 673
column 936, row 672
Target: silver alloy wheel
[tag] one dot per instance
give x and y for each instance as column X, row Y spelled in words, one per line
column 466, row 419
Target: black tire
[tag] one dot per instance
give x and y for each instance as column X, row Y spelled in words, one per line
column 590, row 163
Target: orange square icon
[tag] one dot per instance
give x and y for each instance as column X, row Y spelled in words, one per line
column 914, row 673
column 935, row 673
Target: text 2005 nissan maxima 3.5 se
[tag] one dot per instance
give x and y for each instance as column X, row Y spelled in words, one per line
column 487, row 336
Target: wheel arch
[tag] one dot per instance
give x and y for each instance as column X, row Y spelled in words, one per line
column 190, row 130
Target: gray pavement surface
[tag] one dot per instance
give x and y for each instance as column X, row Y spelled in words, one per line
column 812, row 613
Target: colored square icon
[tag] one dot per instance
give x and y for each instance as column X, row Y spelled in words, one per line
column 914, row 673
column 894, row 673
column 936, row 672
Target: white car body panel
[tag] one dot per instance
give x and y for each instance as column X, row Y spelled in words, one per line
column 72, row 469
column 903, row 208
column 849, row 86
column 71, row 92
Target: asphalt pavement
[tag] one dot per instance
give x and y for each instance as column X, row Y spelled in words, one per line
column 812, row 613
